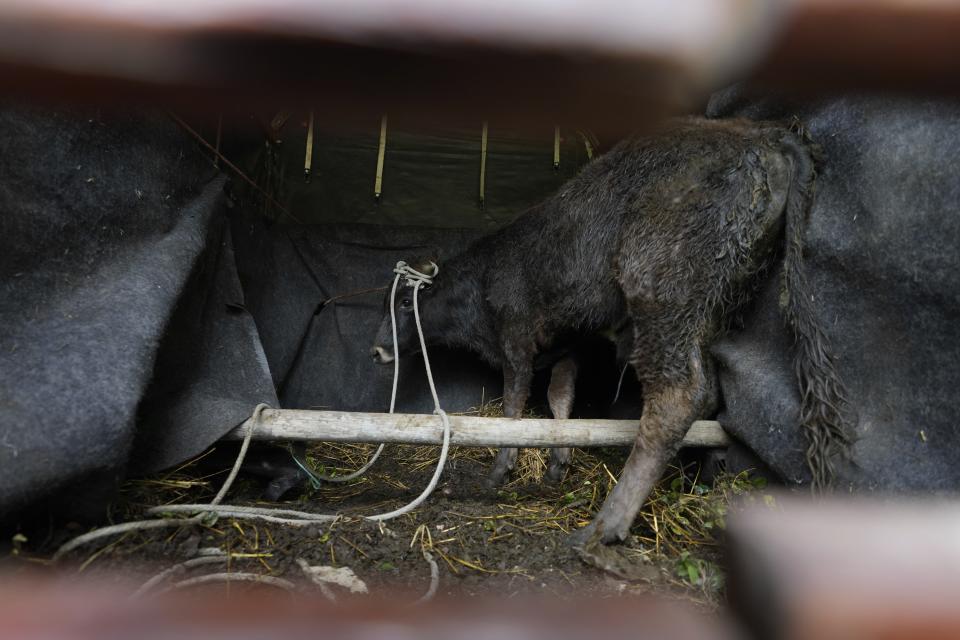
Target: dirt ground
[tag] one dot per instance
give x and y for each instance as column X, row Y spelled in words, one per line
column 504, row 542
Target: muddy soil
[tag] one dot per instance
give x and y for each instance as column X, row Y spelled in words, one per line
column 506, row 542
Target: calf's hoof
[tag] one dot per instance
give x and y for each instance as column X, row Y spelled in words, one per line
column 504, row 463
column 497, row 476
column 583, row 538
column 597, row 532
column 555, row 474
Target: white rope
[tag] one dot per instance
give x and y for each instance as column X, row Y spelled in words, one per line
column 279, row 583
column 176, row 570
column 616, row 396
column 319, row 477
column 434, row 578
column 393, row 330
column 416, row 279
column 126, row 527
column 255, row 418
column 267, row 514
column 413, row 278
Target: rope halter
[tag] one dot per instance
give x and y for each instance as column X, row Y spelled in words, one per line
column 412, row 277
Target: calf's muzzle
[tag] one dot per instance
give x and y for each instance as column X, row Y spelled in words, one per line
column 381, row 355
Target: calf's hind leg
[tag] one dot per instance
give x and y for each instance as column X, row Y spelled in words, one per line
column 560, row 395
column 668, row 410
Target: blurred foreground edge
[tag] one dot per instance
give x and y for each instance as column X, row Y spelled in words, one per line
column 856, row 569
column 82, row 614
column 611, row 65
column 608, row 65
column 853, row 569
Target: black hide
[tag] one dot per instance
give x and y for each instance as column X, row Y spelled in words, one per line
column 883, row 257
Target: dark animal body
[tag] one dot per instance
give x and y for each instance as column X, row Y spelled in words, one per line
column 880, row 250
column 658, row 240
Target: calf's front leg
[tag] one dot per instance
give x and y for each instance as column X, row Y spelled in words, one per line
column 516, row 389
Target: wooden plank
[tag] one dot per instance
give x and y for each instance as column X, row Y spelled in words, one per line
column 466, row 431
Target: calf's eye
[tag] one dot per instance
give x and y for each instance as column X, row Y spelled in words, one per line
column 405, row 303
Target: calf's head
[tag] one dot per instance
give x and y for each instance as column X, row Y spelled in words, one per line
column 383, row 350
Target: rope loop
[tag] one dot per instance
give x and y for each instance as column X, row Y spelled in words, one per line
column 412, row 277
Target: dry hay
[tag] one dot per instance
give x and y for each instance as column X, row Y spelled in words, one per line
column 675, row 537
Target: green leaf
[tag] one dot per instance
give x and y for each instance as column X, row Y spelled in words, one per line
column 387, row 566
column 692, row 573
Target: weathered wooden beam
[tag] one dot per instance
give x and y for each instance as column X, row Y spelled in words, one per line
column 466, row 431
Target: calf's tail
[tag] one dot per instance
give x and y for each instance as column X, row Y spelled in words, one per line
column 824, row 410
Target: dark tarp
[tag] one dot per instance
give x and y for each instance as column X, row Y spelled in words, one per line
column 104, row 218
column 883, row 256
column 211, row 367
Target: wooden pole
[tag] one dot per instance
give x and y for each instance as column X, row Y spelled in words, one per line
column 466, row 431
column 381, row 151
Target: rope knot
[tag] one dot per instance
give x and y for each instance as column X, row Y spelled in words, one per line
column 412, row 277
